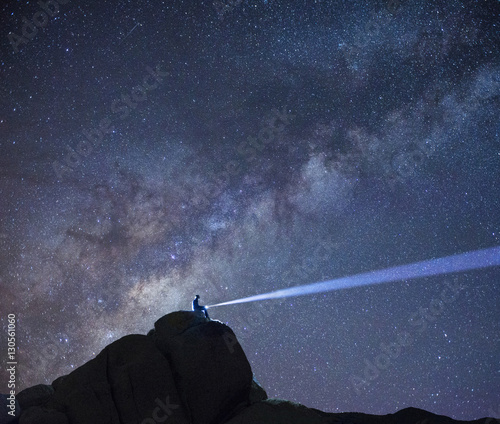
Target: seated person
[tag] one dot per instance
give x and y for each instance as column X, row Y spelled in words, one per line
column 198, row 307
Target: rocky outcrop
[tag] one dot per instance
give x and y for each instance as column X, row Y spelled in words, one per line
column 121, row 384
column 188, row 369
column 211, row 371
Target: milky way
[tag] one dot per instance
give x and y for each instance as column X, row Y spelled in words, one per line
column 152, row 151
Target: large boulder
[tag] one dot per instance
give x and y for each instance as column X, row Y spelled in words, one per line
column 42, row 415
column 211, row 370
column 257, row 392
column 35, row 396
column 128, row 382
column 189, row 369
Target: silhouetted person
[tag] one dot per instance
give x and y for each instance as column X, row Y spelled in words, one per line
column 198, row 307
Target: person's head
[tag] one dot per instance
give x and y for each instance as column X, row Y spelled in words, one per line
column 197, row 296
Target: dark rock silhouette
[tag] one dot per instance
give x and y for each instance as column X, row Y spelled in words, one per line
column 188, row 369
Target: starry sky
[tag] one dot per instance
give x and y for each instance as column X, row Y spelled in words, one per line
column 151, row 151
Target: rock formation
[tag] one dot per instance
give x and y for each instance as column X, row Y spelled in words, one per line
column 187, row 370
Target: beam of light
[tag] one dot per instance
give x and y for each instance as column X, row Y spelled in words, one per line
column 455, row 263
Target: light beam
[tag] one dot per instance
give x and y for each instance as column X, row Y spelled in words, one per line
column 455, row 263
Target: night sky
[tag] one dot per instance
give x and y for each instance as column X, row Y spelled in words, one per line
column 151, row 151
